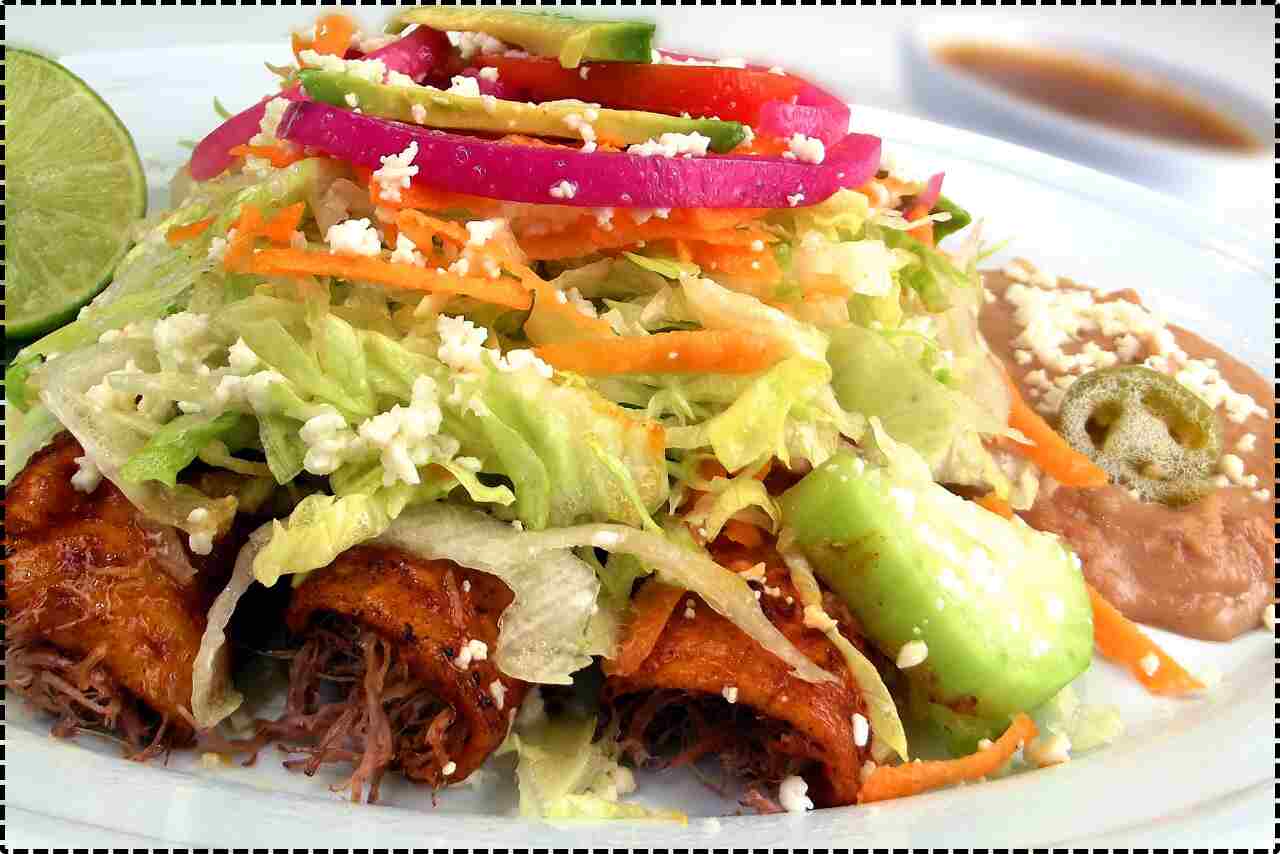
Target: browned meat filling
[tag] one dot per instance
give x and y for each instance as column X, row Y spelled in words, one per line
column 382, row 681
column 99, row 630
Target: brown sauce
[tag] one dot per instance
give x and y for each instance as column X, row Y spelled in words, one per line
column 1206, row 570
column 1092, row 90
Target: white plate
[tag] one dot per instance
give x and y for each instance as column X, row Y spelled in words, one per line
column 1185, row 770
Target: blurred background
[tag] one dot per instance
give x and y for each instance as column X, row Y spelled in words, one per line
column 1176, row 98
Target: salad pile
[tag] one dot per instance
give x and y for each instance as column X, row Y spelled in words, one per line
column 524, row 293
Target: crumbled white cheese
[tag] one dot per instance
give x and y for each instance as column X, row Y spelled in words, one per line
column 563, row 189
column 673, row 145
column 575, row 298
column 1205, row 381
column 329, row 442
column 87, row 475
column 470, row 44
column 481, row 231
column 489, row 74
column 353, row 237
column 201, row 538
column 912, row 653
column 352, row 100
column 1232, row 467
column 408, row 437
column 406, row 252
column 184, row 340
column 1051, row 749
column 419, row 114
column 368, row 43
column 372, row 70
column 805, row 149
column 584, row 72
column 465, row 86
column 861, row 729
column 448, row 769
column 792, row 794
column 730, row 693
column 1149, row 663
column 241, row 358
column 396, row 172
column 521, row 360
column 499, row 693
column 472, row 650
column 985, row 744
column 461, row 342
column 1248, row 442
column 269, row 125
column 795, row 199
column 581, row 124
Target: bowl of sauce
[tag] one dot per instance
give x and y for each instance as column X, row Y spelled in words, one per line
column 1168, row 126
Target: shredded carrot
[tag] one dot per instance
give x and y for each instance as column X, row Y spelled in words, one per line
column 900, row 781
column 333, row 34
column 240, row 245
column 923, row 233
column 190, row 231
column 995, row 504
column 421, row 228
column 282, row 226
column 738, row 262
column 588, row 237
column 1119, row 639
column 419, row 197
column 743, row 534
column 297, row 262
column 700, row 351
column 651, row 608
column 1049, row 450
column 553, row 319
column 279, row 155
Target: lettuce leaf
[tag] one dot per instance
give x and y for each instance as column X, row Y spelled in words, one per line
column 933, row 277
column 177, row 444
column 319, row 529
column 543, row 631
column 562, row 773
column 872, row 376
column 667, row 268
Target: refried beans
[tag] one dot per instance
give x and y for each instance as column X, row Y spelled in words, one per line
column 1205, row 570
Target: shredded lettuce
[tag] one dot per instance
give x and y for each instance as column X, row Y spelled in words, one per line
column 319, row 529
column 177, row 444
column 933, row 277
column 667, row 268
column 543, row 631
column 959, row 218
column 27, row 434
column 872, row 376
column 563, row 774
column 725, row 498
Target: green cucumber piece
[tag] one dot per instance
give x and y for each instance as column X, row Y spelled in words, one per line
column 1002, row 608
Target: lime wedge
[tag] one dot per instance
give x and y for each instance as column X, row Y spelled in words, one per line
column 75, row 188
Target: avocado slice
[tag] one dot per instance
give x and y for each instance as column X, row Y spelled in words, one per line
column 438, row 108
column 571, row 40
column 1002, row 608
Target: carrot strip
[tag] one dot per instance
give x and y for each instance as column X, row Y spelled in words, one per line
column 190, row 231
column 652, row 606
column 923, row 233
column 297, row 262
column 738, row 262
column 1049, row 450
column 589, row 237
column 333, row 34
column 701, row 351
column 240, row 245
column 419, row 197
column 279, row 155
column 422, row 228
column 995, row 504
column 900, row 781
column 1119, row 639
column 282, row 226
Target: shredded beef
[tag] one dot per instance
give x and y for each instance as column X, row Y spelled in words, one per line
column 353, row 700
